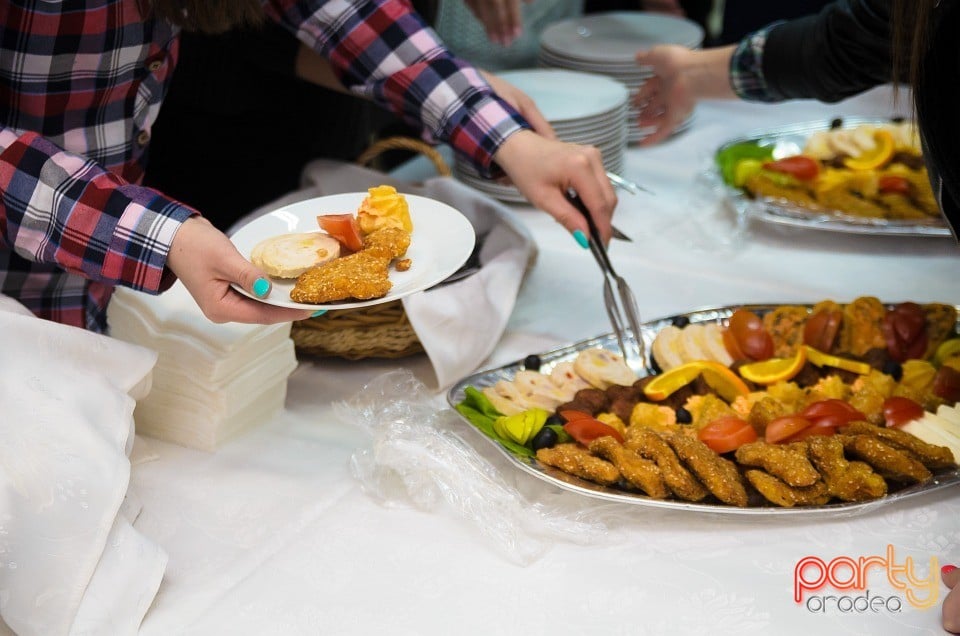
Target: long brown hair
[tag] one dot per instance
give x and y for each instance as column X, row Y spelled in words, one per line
column 910, row 26
column 209, row 16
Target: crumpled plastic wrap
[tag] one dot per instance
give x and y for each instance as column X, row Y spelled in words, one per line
column 416, row 458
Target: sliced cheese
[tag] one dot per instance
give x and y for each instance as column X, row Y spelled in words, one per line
column 930, row 428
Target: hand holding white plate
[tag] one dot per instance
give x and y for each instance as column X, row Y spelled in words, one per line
column 441, row 242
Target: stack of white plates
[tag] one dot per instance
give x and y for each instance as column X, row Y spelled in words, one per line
column 582, row 108
column 607, row 43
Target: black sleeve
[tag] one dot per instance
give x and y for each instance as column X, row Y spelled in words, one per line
column 841, row 51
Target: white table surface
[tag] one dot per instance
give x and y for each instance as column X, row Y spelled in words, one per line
column 272, row 534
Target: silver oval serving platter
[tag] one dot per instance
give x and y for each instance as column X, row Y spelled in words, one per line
column 649, row 331
column 788, row 141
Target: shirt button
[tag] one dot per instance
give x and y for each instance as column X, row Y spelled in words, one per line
column 143, row 137
column 154, row 66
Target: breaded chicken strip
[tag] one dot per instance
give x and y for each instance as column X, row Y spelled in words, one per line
column 847, row 481
column 779, row 493
column 638, row 471
column 787, row 464
column 577, row 460
column 932, row 456
column 678, row 479
column 719, row 475
column 886, row 460
column 362, row 275
column 389, row 242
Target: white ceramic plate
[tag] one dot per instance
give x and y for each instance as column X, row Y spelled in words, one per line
column 567, row 95
column 441, row 242
column 616, row 37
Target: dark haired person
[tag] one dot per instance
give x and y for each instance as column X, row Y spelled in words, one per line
column 81, row 85
column 849, row 47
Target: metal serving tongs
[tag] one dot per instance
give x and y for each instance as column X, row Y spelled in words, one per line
column 624, row 315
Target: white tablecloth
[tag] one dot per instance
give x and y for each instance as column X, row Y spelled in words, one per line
column 272, row 534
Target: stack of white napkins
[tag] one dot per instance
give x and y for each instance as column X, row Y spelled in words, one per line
column 211, row 380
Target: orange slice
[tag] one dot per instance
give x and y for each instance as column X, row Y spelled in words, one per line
column 822, row 359
column 721, row 379
column 775, row 369
column 872, row 159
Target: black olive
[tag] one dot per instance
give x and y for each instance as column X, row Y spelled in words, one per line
column 894, row 369
column 546, row 437
column 532, row 362
column 836, row 123
column 680, row 321
column 655, row 366
column 684, row 416
column 554, row 419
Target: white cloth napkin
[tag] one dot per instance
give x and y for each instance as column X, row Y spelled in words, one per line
column 458, row 324
column 70, row 560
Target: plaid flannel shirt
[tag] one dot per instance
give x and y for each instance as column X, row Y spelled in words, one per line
column 746, row 68
column 81, row 87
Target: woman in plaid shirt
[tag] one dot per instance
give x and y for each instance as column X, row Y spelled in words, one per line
column 81, row 84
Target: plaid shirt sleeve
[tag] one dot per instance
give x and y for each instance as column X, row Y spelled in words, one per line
column 746, row 68
column 383, row 51
column 62, row 208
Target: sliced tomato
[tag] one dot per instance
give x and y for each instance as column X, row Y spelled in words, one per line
column 905, row 332
column 834, row 412
column 893, row 184
column 822, row 328
column 730, row 343
column 782, row 428
column 569, row 415
column 899, row 410
column 798, row 167
column 344, row 228
column 946, row 384
column 751, row 336
column 726, row 434
column 817, row 429
column 588, row 429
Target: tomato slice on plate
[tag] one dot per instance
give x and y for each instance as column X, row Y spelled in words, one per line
column 751, row 337
column 726, row 434
column 893, row 184
column 832, row 410
column 783, row 428
column 586, row 430
column 822, row 328
column 899, row 410
column 798, row 167
column 570, row 415
column 905, row 331
column 344, row 228
column 946, row 384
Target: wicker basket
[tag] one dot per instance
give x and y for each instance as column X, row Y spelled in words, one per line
column 378, row 331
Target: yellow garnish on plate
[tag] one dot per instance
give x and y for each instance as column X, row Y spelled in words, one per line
column 721, row 379
column 384, row 207
column 877, row 156
column 775, row 369
column 822, row 359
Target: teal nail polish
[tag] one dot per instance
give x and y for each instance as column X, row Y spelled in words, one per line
column 318, row 313
column 261, row 287
column 581, row 239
